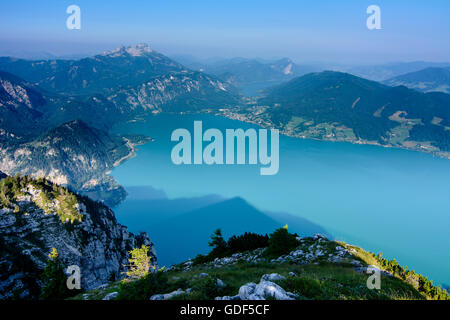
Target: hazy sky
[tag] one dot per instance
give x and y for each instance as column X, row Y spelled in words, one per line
column 320, row 30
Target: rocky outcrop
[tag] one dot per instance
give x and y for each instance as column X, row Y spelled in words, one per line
column 111, row 296
column 265, row 289
column 168, row 296
column 310, row 250
column 92, row 239
column 272, row 277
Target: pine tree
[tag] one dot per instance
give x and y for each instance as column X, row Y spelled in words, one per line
column 218, row 243
column 54, row 279
column 281, row 242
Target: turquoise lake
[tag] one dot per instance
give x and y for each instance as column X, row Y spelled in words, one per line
column 381, row 199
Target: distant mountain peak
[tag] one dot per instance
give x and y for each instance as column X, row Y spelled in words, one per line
column 285, row 60
column 425, row 80
column 237, row 200
column 137, row 50
column 77, row 129
column 74, row 124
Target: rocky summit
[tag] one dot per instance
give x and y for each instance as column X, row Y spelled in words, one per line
column 37, row 215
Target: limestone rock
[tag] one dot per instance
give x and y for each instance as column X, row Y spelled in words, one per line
column 220, row 283
column 167, row 296
column 111, row 296
column 263, row 290
column 272, row 277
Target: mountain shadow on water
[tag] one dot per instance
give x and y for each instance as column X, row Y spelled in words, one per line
column 184, row 236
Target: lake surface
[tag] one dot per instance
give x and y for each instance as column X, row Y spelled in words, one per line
column 382, row 199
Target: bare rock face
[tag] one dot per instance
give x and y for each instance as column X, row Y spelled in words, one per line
column 28, row 231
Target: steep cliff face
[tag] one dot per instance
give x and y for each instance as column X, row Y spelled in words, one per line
column 20, row 104
column 36, row 216
column 184, row 91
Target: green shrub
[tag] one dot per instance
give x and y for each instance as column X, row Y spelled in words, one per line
column 145, row 287
column 281, row 242
column 208, row 289
column 139, row 263
column 247, row 242
column 221, row 248
column 200, row 259
column 307, row 287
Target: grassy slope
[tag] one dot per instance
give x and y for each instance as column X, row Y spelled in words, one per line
column 317, row 278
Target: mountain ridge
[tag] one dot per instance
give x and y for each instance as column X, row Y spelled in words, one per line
column 251, row 76
column 98, row 74
column 138, row 81
column 339, row 106
column 75, row 155
column 431, row 79
column 387, row 71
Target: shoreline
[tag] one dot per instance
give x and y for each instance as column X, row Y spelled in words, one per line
column 227, row 113
column 132, row 146
column 241, row 117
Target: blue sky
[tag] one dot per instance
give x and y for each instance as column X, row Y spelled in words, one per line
column 321, row 30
